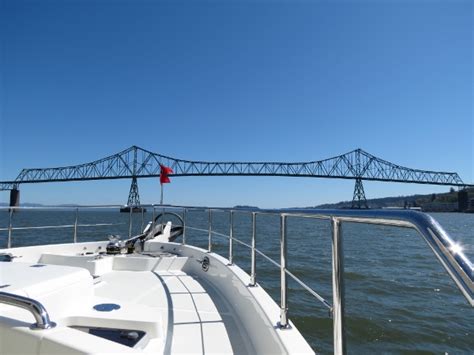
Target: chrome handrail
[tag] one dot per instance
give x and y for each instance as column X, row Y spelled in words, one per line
column 449, row 253
column 12, row 209
column 64, row 226
column 34, row 307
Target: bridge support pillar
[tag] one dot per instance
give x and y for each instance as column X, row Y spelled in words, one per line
column 133, row 202
column 359, row 200
column 463, row 200
column 14, row 197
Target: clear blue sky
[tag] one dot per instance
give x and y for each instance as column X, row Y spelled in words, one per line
column 235, row 80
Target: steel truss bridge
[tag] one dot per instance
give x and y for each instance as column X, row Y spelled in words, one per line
column 136, row 162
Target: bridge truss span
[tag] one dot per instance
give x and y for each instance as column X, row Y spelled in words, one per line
column 136, row 162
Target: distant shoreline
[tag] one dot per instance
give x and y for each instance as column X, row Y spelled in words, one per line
column 441, row 202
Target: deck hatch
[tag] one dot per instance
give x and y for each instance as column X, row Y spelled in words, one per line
column 127, row 337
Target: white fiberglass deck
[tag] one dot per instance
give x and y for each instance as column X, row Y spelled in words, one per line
column 187, row 313
column 179, row 307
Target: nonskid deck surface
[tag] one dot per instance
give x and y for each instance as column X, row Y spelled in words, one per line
column 177, row 313
column 190, row 318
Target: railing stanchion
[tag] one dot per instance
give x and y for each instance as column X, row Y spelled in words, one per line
column 75, row 226
column 283, row 282
column 209, row 247
column 130, row 222
column 231, row 237
column 152, row 218
column 10, row 228
column 253, row 273
column 338, row 288
column 143, row 219
column 184, row 226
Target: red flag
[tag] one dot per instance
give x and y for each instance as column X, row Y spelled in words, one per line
column 164, row 179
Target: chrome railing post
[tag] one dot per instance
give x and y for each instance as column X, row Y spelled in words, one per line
column 283, row 282
column 152, row 218
column 130, row 222
column 338, row 288
column 75, row 226
column 231, row 237
column 253, row 273
column 209, row 247
column 143, row 219
column 10, row 228
column 184, row 226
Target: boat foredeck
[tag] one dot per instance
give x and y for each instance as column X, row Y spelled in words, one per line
column 150, row 294
column 164, row 300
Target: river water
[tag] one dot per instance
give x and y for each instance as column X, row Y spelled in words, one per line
column 398, row 297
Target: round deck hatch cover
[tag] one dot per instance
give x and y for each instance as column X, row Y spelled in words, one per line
column 106, row 307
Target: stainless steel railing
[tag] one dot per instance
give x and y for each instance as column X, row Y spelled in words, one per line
column 11, row 210
column 34, row 307
column 449, row 253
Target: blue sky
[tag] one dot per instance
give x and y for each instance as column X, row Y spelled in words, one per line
column 235, row 80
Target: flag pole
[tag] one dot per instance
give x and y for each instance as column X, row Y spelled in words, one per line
column 161, row 200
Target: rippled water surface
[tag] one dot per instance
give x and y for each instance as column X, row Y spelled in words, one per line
column 398, row 297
